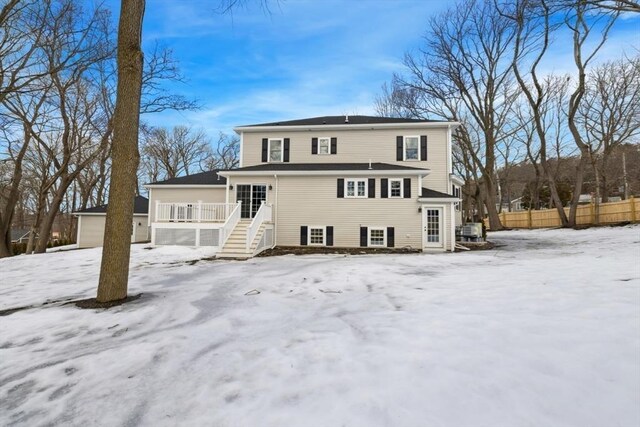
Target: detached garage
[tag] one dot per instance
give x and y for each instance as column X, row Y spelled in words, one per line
column 91, row 222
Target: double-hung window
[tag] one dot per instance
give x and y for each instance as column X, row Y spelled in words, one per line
column 395, row 188
column 355, row 188
column 317, row 236
column 275, row 150
column 377, row 236
column 324, row 145
column 412, row 148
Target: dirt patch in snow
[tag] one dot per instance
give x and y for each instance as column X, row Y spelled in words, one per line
column 296, row 250
column 92, row 303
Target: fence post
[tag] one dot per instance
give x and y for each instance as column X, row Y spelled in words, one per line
column 504, row 218
column 632, row 201
column 592, row 211
column 199, row 212
column 529, row 220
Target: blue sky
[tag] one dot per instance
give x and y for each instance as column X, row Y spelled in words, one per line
column 303, row 58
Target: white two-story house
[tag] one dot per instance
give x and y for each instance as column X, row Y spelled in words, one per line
column 336, row 181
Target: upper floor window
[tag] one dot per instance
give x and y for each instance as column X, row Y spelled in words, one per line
column 411, row 148
column 324, row 145
column 275, row 150
column 395, row 189
column 356, row 188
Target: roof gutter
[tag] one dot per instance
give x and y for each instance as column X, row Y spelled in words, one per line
column 392, row 172
column 363, row 126
column 184, row 186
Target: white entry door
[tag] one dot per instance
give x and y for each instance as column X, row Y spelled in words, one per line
column 433, row 227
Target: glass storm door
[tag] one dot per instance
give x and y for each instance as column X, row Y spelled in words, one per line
column 432, row 222
column 251, row 196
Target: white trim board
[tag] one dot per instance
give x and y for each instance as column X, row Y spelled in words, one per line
column 150, row 186
column 316, row 128
column 367, row 172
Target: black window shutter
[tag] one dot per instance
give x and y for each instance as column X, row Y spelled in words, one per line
column 384, row 188
column 265, row 150
column 407, row 188
column 314, row 145
column 399, row 148
column 391, row 237
column 334, row 145
column 423, row 147
column 286, row 150
column 372, row 188
column 363, row 236
column 329, row 235
column 303, row 235
column 340, row 188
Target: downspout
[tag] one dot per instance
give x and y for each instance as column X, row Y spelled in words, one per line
column 274, row 214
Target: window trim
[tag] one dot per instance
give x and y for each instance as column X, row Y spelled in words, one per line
column 269, row 160
column 404, row 148
column 384, row 237
column 320, row 138
column 356, row 180
column 324, row 235
column 401, row 181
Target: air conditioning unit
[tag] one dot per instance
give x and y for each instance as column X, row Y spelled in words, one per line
column 472, row 232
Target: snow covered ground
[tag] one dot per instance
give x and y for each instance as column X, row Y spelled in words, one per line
column 542, row 331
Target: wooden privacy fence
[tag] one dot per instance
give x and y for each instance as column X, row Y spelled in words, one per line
column 612, row 212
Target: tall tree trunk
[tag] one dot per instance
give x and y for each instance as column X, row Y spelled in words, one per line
column 577, row 187
column 50, row 217
column 114, row 269
column 6, row 214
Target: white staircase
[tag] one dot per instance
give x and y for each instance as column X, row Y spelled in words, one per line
column 236, row 245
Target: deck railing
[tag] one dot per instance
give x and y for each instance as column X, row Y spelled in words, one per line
column 262, row 215
column 193, row 212
column 230, row 223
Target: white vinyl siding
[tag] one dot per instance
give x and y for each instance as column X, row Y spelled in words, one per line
column 91, row 230
column 185, row 195
column 346, row 215
column 360, row 146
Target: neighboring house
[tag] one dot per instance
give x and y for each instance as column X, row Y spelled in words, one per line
column 342, row 181
column 19, row 235
column 91, row 224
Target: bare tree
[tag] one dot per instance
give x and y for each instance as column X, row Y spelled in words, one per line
column 616, row 5
column 583, row 21
column 609, row 116
column 114, row 268
column 226, row 154
column 464, row 72
column 175, row 152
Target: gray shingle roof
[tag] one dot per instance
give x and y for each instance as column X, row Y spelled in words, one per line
column 340, row 120
column 18, row 233
column 433, row 194
column 140, row 206
column 203, row 178
column 274, row 167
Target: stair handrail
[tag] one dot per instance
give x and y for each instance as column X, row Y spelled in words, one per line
column 230, row 224
column 263, row 214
